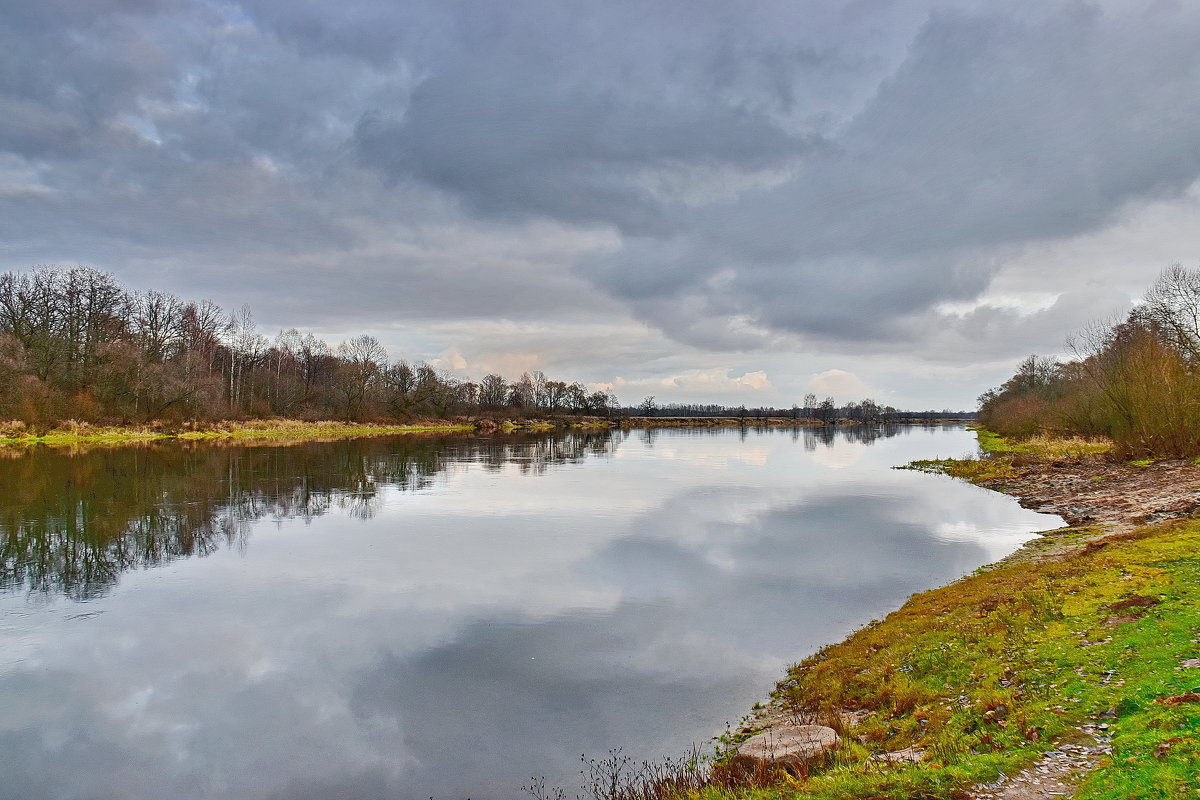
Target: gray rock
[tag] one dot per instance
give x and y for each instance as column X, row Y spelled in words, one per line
column 788, row 746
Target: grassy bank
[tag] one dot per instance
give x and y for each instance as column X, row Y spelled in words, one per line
column 66, row 434
column 985, row 675
column 1082, row 632
column 75, row 433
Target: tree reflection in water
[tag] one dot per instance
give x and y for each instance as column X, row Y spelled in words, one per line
column 72, row 522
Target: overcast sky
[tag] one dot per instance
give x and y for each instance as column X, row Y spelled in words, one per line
column 695, row 199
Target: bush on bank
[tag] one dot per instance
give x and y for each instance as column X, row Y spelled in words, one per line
column 1136, row 382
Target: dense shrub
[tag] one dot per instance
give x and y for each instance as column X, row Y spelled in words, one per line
column 1136, row 382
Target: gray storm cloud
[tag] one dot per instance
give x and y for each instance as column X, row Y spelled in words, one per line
column 738, row 177
column 991, row 133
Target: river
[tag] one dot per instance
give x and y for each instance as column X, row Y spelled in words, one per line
column 443, row 616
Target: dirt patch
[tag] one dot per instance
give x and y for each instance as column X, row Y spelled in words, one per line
column 1057, row 774
column 1186, row 697
column 1090, row 491
column 1137, row 601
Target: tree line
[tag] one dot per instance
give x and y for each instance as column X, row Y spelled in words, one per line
column 76, row 344
column 825, row 410
column 1135, row 380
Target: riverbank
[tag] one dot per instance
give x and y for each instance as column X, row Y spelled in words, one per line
column 281, row 430
column 71, row 433
column 1072, row 666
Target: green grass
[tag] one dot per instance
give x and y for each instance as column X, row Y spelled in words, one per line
column 971, row 469
column 990, row 442
column 986, row 674
column 70, row 432
column 71, row 439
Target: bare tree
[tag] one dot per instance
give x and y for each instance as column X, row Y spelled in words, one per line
column 158, row 325
column 434, row 393
column 493, row 390
column 577, row 398
column 554, row 395
column 400, row 380
column 1172, row 304
column 540, row 393
column 522, row 393
column 93, row 310
column 245, row 347
column 603, row 403
column 363, row 359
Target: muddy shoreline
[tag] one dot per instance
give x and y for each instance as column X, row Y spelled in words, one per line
column 1089, row 490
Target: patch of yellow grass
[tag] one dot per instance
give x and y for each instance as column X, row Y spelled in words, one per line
column 1043, row 445
column 1062, row 446
column 72, row 432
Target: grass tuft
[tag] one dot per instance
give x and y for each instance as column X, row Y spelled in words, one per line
column 970, row 469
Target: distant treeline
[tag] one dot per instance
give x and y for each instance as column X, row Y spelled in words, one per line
column 826, row 410
column 77, row 345
column 1136, row 381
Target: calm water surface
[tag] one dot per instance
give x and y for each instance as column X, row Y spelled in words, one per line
column 445, row 617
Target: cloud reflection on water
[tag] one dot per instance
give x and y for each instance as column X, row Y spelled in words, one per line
column 479, row 630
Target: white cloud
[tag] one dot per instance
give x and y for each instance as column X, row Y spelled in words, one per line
column 453, row 360
column 510, row 365
column 715, row 382
column 843, row 386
